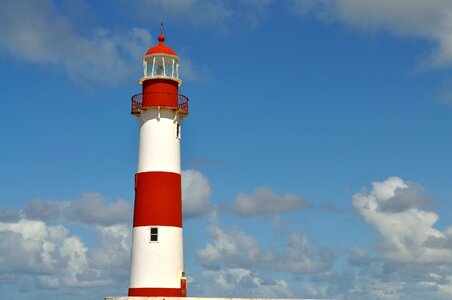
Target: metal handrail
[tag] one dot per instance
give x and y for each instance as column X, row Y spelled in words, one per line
column 137, row 101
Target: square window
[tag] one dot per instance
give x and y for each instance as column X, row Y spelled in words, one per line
column 154, row 234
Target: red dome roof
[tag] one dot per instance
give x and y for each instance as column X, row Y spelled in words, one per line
column 161, row 48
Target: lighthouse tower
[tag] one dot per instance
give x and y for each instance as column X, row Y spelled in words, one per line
column 157, row 267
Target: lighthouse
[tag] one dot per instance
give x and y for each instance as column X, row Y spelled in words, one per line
column 157, row 266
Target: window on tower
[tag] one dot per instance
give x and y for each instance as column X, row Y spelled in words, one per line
column 178, row 130
column 154, row 234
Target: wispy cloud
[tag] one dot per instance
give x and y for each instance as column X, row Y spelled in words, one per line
column 221, row 16
column 34, row 32
column 89, row 209
column 264, row 201
column 428, row 20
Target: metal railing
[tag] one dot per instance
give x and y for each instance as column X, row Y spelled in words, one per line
column 137, row 101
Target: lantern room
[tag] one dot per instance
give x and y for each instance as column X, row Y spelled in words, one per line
column 160, row 81
column 161, row 62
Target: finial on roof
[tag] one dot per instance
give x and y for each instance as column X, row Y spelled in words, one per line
column 161, row 38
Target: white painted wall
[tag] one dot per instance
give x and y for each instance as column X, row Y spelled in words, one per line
column 159, row 148
column 157, row 264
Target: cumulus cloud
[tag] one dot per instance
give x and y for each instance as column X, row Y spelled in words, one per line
column 112, row 258
column 234, row 248
column 379, row 279
column 407, row 230
column 235, row 282
column 195, row 194
column 429, row 20
column 265, row 201
column 36, row 246
column 93, row 208
column 411, row 195
column 302, row 257
column 55, row 258
column 33, row 247
column 35, row 32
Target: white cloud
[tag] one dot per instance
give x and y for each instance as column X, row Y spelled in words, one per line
column 113, row 256
column 234, row 248
column 221, row 16
column 407, row 234
column 265, row 201
column 302, row 257
column 39, row 32
column 55, row 259
column 378, row 279
column 35, row 32
column 93, row 208
column 234, row 282
column 48, row 251
column 195, row 12
column 89, row 209
column 430, row 20
column 231, row 247
column 195, row 194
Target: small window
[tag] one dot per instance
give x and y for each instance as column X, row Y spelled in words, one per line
column 178, row 131
column 154, row 234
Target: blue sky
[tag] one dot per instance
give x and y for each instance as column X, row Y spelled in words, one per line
column 316, row 157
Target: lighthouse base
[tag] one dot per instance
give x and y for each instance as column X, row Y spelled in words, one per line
column 201, row 298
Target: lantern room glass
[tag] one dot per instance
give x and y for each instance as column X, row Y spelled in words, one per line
column 158, row 66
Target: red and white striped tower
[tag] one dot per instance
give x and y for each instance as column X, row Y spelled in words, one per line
column 157, row 267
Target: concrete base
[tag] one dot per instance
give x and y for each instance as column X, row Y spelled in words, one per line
column 203, row 298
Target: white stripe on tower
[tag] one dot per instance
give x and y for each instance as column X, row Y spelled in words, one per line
column 159, row 148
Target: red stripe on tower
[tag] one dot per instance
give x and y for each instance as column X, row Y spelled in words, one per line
column 145, row 292
column 158, row 199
